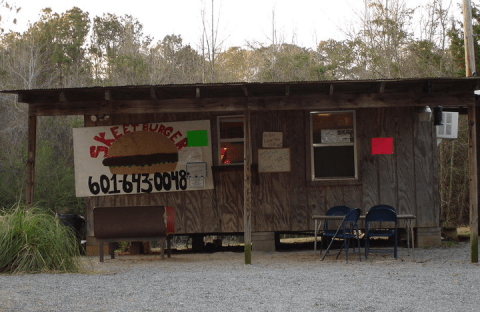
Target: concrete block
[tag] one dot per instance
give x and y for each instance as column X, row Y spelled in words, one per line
column 429, row 237
column 95, row 250
column 263, row 241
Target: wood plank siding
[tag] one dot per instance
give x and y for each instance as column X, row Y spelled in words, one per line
column 285, row 201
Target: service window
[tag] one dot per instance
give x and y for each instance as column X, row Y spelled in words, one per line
column 333, row 145
column 230, row 140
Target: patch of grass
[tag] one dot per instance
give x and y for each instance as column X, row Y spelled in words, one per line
column 124, row 247
column 449, row 243
column 32, row 241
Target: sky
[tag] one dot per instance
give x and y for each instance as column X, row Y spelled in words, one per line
column 302, row 22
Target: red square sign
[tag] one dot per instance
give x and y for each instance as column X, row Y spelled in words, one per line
column 382, row 146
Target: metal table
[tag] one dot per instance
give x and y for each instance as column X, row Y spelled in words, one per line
column 408, row 218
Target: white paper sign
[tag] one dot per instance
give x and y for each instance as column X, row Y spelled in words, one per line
column 198, row 169
column 197, row 182
column 272, row 139
column 273, row 160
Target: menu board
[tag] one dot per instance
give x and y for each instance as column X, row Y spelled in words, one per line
column 274, row 160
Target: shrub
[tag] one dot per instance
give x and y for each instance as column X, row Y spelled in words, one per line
column 33, row 241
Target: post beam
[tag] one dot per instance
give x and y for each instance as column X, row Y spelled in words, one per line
column 468, row 39
column 473, row 179
column 32, row 144
column 247, row 188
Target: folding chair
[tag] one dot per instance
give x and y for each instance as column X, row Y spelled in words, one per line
column 380, row 215
column 383, row 207
column 327, row 231
column 348, row 229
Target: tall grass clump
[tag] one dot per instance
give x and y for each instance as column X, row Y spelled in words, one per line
column 32, row 241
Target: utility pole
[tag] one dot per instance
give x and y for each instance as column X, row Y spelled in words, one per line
column 473, row 137
column 468, row 38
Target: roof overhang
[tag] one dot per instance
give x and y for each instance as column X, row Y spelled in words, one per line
column 340, row 94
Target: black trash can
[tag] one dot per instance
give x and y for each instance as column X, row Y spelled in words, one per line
column 77, row 223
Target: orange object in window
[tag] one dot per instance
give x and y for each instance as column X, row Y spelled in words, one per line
column 231, row 153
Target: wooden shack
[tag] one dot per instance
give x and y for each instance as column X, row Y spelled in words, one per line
column 281, row 152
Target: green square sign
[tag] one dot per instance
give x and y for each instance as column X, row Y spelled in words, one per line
column 197, row 138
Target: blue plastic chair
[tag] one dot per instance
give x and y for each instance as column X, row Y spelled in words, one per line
column 380, row 215
column 347, row 230
column 383, row 207
column 327, row 232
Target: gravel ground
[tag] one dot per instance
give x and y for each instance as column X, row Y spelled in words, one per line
column 436, row 279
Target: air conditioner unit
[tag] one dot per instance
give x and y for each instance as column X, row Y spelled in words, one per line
column 449, row 129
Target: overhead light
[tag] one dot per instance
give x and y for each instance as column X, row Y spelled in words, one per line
column 425, row 114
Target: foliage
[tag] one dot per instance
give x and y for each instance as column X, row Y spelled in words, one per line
column 337, row 58
column 285, row 62
column 33, row 241
column 55, row 177
column 55, row 180
column 13, row 132
column 173, row 62
column 453, row 176
column 236, row 65
column 119, row 50
column 61, row 41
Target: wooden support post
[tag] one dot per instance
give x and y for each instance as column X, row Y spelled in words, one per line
column 473, row 178
column 468, row 39
column 32, row 144
column 472, row 133
column 247, row 188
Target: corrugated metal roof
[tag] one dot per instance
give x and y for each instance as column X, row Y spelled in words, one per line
column 226, row 84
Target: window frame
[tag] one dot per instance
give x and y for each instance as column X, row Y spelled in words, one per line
column 311, row 171
column 235, row 140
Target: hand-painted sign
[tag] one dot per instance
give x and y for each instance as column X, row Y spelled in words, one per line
column 272, row 139
column 139, row 158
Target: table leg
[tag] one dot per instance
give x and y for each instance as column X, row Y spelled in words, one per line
column 315, row 241
column 410, row 235
column 101, row 251
column 407, row 225
column 169, row 239
column 111, row 248
column 413, row 238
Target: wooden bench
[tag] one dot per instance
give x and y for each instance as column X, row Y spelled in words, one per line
column 138, row 223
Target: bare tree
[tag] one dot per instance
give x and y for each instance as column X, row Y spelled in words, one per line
column 434, row 22
column 24, row 60
column 211, row 44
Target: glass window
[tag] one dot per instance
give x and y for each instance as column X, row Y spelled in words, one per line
column 230, row 140
column 333, row 145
